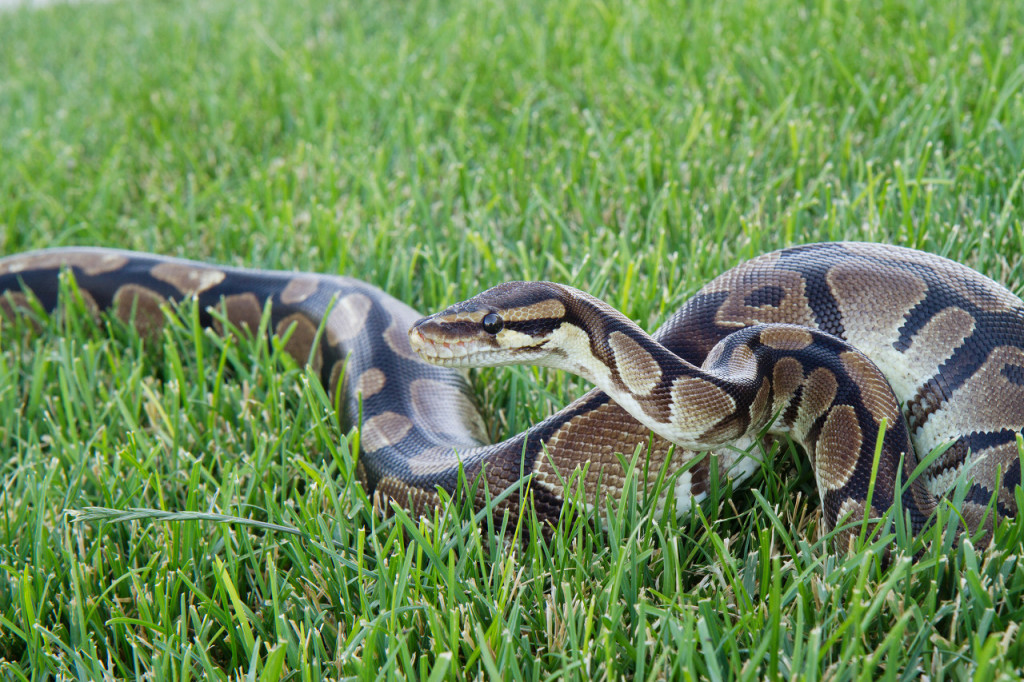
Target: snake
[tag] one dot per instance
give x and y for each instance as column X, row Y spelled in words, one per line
column 900, row 373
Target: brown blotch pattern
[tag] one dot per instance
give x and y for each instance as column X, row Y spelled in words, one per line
column 742, row 364
column 547, row 309
column 714, row 356
column 445, row 409
column 937, row 340
column 298, row 289
column 348, row 317
column 396, row 335
column 787, row 375
column 991, row 400
column 606, row 430
column 875, row 392
column 460, row 316
column 187, row 279
column 990, row 466
column 987, row 401
column 697, row 405
column 838, row 448
column 992, row 299
column 15, row 304
column 370, row 383
column 749, row 277
column 989, row 296
column 397, row 338
column 975, row 516
column 637, row 369
column 89, row 263
column 862, row 311
column 242, row 310
column 144, row 304
column 90, row 304
column 301, row 344
column 383, row 430
column 417, row 500
column 702, row 472
column 431, row 461
column 850, row 517
column 786, row 338
column 818, row 393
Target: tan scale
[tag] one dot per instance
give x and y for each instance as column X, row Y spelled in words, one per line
column 397, row 340
column 991, row 296
column 384, row 429
column 734, row 312
column 14, row 302
column 91, row 306
column 336, row 373
column 929, row 348
column 819, row 390
column 637, row 369
column 550, row 308
column 188, row 280
column 874, row 389
column 299, row 289
column 838, row 450
column 608, row 430
column 759, row 407
column 860, row 306
column 348, row 317
column 396, row 334
column 990, row 464
column 852, row 514
column 90, row 263
column 370, row 382
column 697, row 405
column 787, row 375
column 786, row 338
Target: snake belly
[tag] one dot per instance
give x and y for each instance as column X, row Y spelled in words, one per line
column 949, row 340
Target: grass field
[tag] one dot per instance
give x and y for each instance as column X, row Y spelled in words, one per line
column 633, row 149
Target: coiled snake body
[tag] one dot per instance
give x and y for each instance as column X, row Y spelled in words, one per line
column 781, row 342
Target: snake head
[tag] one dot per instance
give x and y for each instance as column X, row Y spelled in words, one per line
column 510, row 324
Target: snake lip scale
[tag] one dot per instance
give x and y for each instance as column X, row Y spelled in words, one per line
column 833, row 344
column 447, row 354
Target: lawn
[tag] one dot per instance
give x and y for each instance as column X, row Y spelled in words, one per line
column 632, row 149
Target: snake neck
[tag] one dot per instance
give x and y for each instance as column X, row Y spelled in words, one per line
column 672, row 397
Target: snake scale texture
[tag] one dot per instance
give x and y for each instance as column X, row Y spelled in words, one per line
column 824, row 342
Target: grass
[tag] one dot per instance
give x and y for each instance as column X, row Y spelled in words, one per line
column 631, row 149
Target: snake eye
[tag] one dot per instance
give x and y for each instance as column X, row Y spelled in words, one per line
column 493, row 323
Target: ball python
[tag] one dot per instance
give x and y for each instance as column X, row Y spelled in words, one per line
column 824, row 342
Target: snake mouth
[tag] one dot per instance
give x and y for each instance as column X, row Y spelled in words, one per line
column 465, row 352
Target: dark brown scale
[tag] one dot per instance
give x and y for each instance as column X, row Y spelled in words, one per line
column 789, row 415
column 1014, row 374
column 768, row 295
